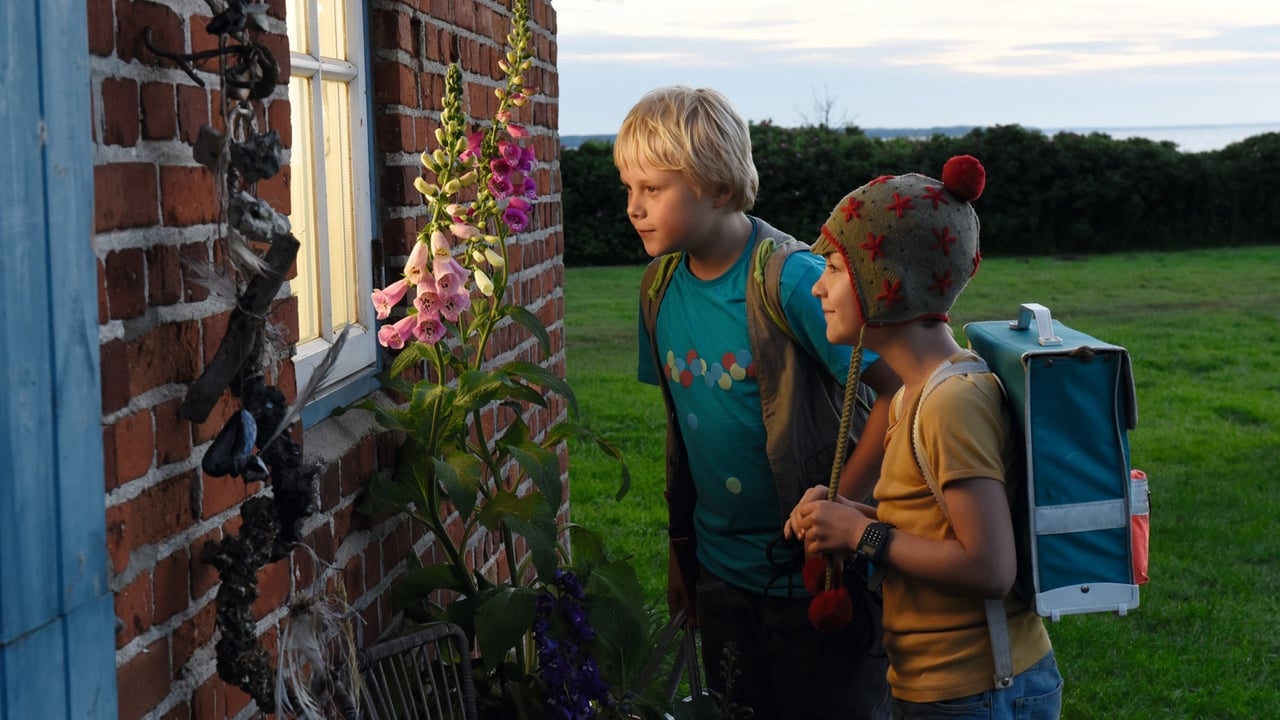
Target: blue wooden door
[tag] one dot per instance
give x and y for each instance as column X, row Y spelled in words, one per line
column 57, row 649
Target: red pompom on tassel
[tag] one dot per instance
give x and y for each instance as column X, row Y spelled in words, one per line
column 831, row 610
column 815, row 574
column 964, row 177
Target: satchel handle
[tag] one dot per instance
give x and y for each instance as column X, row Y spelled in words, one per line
column 1044, row 323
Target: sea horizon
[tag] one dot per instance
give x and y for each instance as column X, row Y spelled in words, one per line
column 1188, row 138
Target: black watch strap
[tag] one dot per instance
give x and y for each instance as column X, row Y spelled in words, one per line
column 874, row 540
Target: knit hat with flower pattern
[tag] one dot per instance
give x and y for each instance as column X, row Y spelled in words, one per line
column 910, row 242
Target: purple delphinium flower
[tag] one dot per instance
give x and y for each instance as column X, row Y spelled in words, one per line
column 562, row 634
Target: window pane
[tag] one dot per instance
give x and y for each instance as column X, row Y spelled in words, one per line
column 340, row 227
column 302, row 216
column 333, row 29
column 298, row 18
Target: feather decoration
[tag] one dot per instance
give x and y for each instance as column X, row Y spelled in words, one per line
column 318, row 380
column 317, row 655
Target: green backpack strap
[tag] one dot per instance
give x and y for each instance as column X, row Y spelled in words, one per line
column 770, row 255
column 653, row 285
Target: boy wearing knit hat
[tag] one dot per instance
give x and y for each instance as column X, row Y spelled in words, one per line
column 752, row 411
column 899, row 250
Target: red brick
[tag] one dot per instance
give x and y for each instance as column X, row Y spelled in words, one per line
column 120, row 117
column 226, row 406
column 193, row 112
column 110, row 478
column 159, row 111
column 172, row 585
column 131, row 440
column 133, row 609
column 191, row 258
column 117, row 210
column 278, row 119
column 157, row 513
column 167, row 354
column 391, row 30
column 203, row 575
column 201, row 38
column 166, row 32
column 173, row 433
column 144, row 681
column 102, row 37
column 217, row 699
column 164, row 275
column 273, row 588
column 115, row 375
column 394, row 84
column 394, row 133
column 220, row 494
column 194, row 633
column 188, row 195
column 126, row 285
column 275, row 191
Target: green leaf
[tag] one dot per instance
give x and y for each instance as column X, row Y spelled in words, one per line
column 569, row 429
column 415, row 353
column 526, row 318
column 459, row 475
column 613, row 599
column 587, row 547
column 426, row 580
column 539, row 375
column 502, row 617
column 543, row 468
column 539, row 533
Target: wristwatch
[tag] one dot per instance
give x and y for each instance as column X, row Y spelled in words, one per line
column 874, row 540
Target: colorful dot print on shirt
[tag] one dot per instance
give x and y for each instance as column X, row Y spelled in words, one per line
column 731, row 367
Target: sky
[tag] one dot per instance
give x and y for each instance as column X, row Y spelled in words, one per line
column 916, row 63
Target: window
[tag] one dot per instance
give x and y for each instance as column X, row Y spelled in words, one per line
column 330, row 191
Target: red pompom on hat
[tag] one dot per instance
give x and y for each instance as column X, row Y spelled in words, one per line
column 964, row 177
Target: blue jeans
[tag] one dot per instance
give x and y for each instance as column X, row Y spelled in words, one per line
column 1036, row 694
column 784, row 668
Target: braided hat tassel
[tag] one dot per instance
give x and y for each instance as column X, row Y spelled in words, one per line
column 831, row 608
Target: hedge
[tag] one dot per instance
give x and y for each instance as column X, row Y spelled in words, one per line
column 1064, row 194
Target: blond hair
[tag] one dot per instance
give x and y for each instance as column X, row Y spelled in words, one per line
column 695, row 132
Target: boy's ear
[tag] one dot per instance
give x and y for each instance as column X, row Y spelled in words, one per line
column 721, row 197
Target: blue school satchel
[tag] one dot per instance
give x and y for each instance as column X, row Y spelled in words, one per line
column 1073, row 401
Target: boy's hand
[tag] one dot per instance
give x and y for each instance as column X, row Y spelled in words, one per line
column 678, row 596
column 828, row 526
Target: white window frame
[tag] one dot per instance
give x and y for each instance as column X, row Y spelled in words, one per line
column 358, row 357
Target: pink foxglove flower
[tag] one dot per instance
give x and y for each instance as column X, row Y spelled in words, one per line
column 448, row 273
column 454, row 305
column 465, row 231
column 384, row 300
column 511, row 153
column 428, row 330
column 500, row 186
column 517, row 131
column 500, row 166
column 416, row 266
column 428, row 305
column 527, row 157
column 394, row 336
column 516, row 216
column 473, row 146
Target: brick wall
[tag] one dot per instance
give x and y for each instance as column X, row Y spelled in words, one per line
column 155, row 217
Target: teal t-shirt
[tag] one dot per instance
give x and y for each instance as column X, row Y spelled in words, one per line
column 705, row 348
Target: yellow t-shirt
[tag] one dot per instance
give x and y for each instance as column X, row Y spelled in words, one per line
column 937, row 640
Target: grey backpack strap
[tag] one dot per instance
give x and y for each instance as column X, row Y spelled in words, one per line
column 997, row 622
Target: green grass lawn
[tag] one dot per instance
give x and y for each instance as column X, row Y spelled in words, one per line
column 1203, row 329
